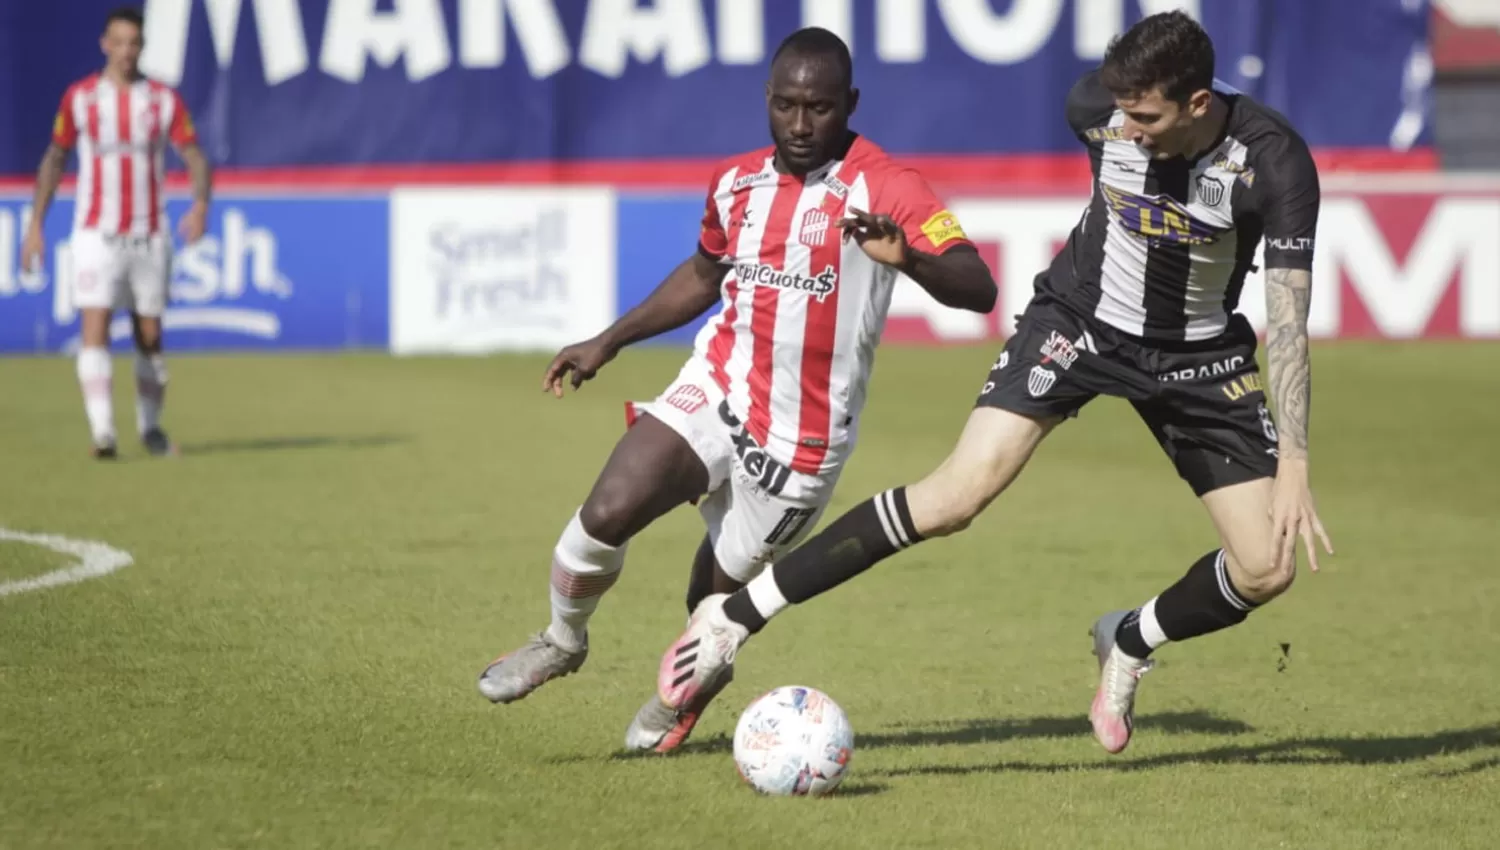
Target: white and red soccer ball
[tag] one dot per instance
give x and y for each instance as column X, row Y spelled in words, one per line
column 793, row 741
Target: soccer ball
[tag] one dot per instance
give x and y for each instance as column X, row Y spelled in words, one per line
column 793, row 742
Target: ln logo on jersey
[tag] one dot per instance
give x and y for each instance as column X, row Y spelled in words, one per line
column 688, row 398
column 1057, row 349
column 1158, row 218
column 814, row 228
column 1040, row 381
column 1210, row 190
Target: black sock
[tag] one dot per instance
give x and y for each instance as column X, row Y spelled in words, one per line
column 869, row 533
column 1201, row 602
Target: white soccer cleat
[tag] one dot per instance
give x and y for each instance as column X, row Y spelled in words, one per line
column 513, row 676
column 701, row 656
column 1119, row 676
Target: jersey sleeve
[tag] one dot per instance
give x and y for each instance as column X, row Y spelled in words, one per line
column 65, row 126
column 1089, row 109
column 713, row 240
column 1289, row 205
column 181, row 131
column 930, row 226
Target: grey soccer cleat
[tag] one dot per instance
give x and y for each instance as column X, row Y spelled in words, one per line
column 660, row 728
column 157, row 443
column 538, row 661
column 1113, row 710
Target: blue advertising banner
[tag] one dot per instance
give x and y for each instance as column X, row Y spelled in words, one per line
column 271, row 273
column 328, row 82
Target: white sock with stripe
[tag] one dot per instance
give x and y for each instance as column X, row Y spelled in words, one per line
column 582, row 570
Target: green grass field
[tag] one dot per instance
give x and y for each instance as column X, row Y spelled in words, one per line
column 346, row 541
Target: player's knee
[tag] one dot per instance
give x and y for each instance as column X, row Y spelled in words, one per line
column 609, row 513
column 1255, row 577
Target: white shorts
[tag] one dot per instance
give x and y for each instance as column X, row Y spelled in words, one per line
column 756, row 507
column 121, row 272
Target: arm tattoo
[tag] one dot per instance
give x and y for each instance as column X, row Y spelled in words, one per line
column 48, row 176
column 1288, row 296
column 199, row 171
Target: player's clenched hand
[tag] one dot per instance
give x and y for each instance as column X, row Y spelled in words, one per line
column 878, row 235
column 1293, row 515
column 582, row 359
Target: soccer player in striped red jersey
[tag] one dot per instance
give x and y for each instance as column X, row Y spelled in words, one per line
column 121, row 123
column 801, row 245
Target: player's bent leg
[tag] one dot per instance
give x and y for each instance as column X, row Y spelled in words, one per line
column 994, row 447
column 150, row 383
column 652, row 470
column 96, row 379
column 1242, row 515
column 657, row 727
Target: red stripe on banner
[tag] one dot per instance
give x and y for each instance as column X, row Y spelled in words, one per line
column 973, row 174
column 96, row 170
column 127, row 159
column 722, row 346
column 778, row 229
column 818, row 341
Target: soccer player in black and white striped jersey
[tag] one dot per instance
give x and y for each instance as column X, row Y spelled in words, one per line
column 1189, row 178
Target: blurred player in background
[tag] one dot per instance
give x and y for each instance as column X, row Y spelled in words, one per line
column 801, row 244
column 120, row 123
column 1140, row 304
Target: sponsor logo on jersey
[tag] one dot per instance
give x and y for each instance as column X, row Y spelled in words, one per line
column 1105, row 134
column 760, row 469
column 836, row 187
column 1301, row 243
column 1157, row 219
column 747, row 181
column 819, row 286
column 1244, row 173
column 1243, row 386
column 942, row 228
column 1057, row 349
column 1211, row 370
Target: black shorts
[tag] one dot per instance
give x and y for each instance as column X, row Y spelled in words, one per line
column 1203, row 400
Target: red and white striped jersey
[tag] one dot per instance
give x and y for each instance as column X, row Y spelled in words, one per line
column 794, row 340
column 121, row 133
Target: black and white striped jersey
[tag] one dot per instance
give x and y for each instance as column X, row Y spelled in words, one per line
column 1164, row 247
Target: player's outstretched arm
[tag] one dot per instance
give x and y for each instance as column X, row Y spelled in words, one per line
column 48, row 176
column 1288, row 299
column 956, row 278
column 689, row 290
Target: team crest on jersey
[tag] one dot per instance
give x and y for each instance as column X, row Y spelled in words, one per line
column 1040, row 381
column 688, row 398
column 814, row 230
column 1210, row 190
column 1157, row 219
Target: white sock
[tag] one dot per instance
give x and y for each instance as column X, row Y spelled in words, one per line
column 582, row 570
column 765, row 595
column 1151, row 631
column 150, row 390
column 96, row 378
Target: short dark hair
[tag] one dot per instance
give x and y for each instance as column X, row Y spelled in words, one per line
column 816, row 42
column 129, row 14
column 1167, row 50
